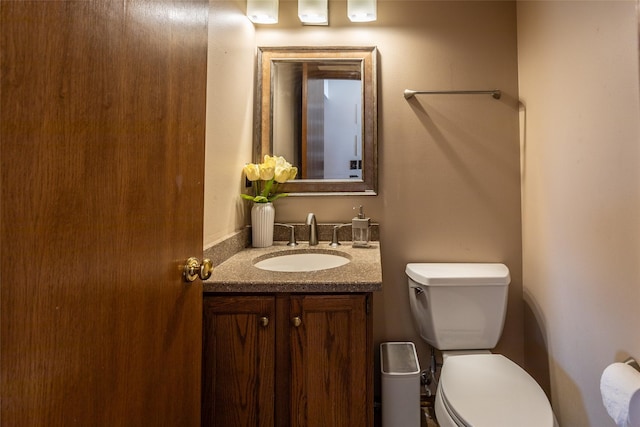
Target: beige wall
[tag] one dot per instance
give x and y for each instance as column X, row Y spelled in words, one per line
column 578, row 71
column 230, row 71
column 449, row 165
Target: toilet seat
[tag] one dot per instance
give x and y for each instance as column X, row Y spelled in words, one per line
column 489, row 390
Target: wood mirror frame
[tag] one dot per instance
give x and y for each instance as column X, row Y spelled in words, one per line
column 263, row 131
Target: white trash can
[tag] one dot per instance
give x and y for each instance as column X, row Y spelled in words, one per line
column 400, row 384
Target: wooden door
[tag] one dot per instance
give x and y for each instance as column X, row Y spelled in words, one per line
column 103, row 120
column 239, row 361
column 331, row 360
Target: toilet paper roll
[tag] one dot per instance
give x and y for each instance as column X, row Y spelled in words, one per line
column 620, row 389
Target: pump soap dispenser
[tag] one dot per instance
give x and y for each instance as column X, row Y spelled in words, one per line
column 360, row 229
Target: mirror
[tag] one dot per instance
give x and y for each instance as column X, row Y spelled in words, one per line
column 317, row 108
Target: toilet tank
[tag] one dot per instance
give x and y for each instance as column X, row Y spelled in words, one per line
column 459, row 306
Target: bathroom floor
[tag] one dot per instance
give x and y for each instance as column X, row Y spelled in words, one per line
column 429, row 418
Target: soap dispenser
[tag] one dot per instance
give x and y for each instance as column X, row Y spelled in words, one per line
column 360, row 229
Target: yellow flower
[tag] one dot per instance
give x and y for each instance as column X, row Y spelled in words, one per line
column 283, row 169
column 281, row 174
column 273, row 170
column 293, row 172
column 270, row 161
column 266, row 171
column 252, row 171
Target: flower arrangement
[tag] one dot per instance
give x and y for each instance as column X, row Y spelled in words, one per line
column 266, row 178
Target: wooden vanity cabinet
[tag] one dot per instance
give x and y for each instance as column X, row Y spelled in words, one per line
column 287, row 360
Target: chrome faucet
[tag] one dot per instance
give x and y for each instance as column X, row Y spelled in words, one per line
column 313, row 229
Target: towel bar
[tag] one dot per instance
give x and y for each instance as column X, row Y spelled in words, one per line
column 408, row 93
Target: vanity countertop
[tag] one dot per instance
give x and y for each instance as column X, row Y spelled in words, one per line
column 238, row 274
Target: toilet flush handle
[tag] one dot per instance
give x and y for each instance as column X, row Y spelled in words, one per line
column 418, row 290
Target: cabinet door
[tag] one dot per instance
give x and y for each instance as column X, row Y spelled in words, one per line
column 238, row 361
column 331, row 361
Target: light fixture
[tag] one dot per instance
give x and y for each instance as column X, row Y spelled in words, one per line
column 313, row 12
column 361, row 10
column 262, row 11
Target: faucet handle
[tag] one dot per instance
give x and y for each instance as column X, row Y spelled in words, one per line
column 292, row 233
column 334, row 237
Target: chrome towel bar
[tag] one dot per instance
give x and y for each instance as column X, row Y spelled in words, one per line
column 408, row 93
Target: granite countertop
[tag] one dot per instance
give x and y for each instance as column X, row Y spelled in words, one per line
column 238, row 275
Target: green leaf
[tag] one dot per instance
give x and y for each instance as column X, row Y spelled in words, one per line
column 277, row 196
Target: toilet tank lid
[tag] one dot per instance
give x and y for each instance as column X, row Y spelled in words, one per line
column 459, row 274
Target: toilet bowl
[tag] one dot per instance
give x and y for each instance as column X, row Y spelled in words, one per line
column 460, row 310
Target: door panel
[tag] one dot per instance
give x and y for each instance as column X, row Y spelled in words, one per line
column 103, row 116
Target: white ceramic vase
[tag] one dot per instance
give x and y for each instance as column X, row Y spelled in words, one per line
column 262, row 218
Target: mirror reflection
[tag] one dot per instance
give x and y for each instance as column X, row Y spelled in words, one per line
column 317, row 117
column 319, row 110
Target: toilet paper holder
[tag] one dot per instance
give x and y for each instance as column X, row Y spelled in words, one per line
column 633, row 363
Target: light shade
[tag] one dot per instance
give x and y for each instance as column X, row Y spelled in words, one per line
column 313, row 12
column 262, row 11
column 362, row 10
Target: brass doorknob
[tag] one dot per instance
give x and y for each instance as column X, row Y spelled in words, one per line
column 264, row 321
column 296, row 321
column 205, row 269
column 193, row 269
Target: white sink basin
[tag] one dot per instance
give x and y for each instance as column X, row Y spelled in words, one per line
column 299, row 262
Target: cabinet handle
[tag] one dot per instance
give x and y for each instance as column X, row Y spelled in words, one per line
column 296, row 321
column 264, row 321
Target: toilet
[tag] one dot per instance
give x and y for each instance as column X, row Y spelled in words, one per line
column 460, row 309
